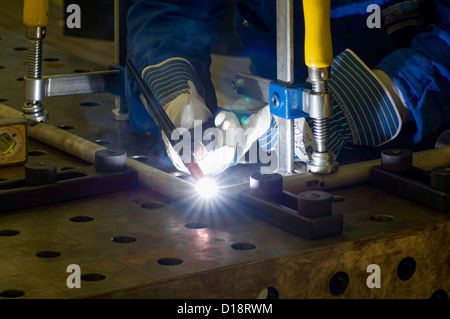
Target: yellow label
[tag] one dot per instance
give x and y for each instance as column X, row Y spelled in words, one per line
column 13, row 144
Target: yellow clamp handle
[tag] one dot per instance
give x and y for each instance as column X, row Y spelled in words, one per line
column 35, row 13
column 318, row 46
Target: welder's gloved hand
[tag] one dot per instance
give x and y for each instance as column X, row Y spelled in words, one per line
column 176, row 86
column 232, row 139
column 365, row 108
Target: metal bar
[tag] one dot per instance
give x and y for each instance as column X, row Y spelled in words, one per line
column 285, row 41
column 285, row 73
column 71, row 84
column 92, row 82
column 285, row 145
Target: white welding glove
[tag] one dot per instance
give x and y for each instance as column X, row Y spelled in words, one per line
column 231, row 140
column 178, row 89
column 188, row 108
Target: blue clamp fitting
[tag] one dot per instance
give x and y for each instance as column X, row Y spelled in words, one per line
column 286, row 101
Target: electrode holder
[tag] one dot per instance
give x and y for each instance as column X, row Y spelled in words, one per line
column 308, row 214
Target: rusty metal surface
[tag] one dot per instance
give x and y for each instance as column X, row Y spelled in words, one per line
column 137, row 244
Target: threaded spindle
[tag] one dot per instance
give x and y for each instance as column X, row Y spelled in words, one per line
column 35, row 59
column 321, row 132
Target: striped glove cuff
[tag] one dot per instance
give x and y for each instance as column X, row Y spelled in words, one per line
column 364, row 112
column 169, row 79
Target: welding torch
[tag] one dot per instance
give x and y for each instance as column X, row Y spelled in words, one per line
column 163, row 121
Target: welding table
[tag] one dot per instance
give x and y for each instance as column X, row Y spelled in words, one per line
column 137, row 243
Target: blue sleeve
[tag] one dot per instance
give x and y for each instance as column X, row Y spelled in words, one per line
column 422, row 73
column 163, row 29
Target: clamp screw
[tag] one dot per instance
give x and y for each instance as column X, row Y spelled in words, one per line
column 275, row 100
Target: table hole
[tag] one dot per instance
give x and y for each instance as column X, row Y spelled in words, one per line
column 92, row 277
column 81, row 219
column 89, row 104
column 9, row 232
column 65, row 127
column 123, row 239
column 406, row 268
column 196, row 225
column 102, row 142
column 381, row 218
column 37, row 153
column 12, row 293
column 152, row 205
column 243, row 246
column 81, row 70
column 48, row 254
column 269, row 293
column 169, row 261
column 141, row 158
column 439, row 294
column 338, row 283
column 50, row 59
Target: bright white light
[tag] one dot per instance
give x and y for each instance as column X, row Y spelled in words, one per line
column 207, row 188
